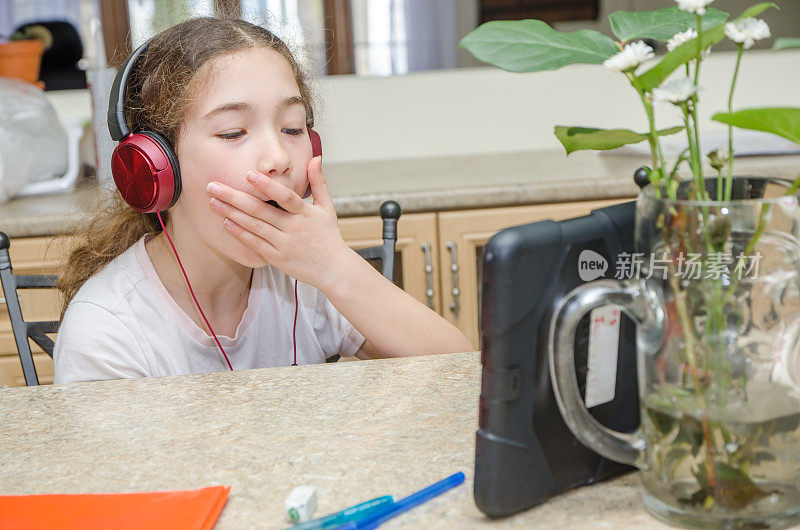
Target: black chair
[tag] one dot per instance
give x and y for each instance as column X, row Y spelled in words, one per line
column 390, row 213
column 24, row 330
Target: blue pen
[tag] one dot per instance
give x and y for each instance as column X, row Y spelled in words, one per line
column 381, row 515
column 352, row 513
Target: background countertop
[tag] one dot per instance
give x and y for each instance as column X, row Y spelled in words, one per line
column 422, row 184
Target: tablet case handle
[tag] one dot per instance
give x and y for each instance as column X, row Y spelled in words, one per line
column 645, row 307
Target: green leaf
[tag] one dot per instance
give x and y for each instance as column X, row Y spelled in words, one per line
column 661, row 24
column 578, row 138
column 688, row 50
column 783, row 121
column 533, row 46
column 785, row 44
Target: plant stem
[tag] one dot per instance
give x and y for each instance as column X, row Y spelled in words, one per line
column 695, row 156
column 751, row 245
column 688, row 333
column 656, row 155
column 694, row 103
column 729, row 181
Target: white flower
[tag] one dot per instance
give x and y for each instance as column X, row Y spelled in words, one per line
column 675, row 91
column 631, row 56
column 694, row 6
column 680, row 38
column 747, row 31
column 684, row 37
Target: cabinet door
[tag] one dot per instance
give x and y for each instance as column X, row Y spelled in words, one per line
column 462, row 236
column 416, row 251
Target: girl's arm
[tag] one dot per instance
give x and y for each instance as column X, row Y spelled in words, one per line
column 303, row 240
column 393, row 322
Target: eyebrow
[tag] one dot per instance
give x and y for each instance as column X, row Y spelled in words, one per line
column 228, row 107
column 290, row 101
column 246, row 107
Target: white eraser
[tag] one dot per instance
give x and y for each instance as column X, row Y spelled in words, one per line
column 300, row 504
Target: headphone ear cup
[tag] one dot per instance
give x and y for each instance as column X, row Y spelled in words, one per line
column 316, row 150
column 146, row 172
column 316, row 142
column 172, row 157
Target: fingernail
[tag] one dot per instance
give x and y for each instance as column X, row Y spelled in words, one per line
column 214, row 202
column 213, row 188
column 253, row 177
column 227, row 222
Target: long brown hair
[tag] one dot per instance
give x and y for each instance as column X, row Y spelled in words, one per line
column 156, row 100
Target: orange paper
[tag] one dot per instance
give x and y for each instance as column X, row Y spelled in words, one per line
column 174, row 510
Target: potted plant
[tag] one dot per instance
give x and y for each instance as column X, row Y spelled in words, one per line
column 714, row 285
column 21, row 54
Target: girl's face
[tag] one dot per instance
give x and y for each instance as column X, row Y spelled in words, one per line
column 247, row 115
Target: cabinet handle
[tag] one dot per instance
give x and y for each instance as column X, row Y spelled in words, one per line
column 451, row 246
column 426, row 248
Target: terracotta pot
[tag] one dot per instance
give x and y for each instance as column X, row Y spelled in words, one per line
column 21, row 59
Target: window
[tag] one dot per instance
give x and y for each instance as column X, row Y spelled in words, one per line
column 401, row 36
column 148, row 17
column 298, row 23
column 14, row 13
column 379, row 37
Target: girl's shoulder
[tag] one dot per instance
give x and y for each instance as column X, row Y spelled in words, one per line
column 114, row 283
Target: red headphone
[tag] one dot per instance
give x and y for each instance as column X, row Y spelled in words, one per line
column 146, row 172
column 144, row 164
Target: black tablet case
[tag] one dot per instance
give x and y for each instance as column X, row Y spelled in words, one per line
column 525, row 453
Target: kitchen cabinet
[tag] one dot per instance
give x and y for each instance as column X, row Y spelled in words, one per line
column 438, row 261
column 416, row 251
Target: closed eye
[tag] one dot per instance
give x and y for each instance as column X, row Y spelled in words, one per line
column 231, row 135
column 293, row 132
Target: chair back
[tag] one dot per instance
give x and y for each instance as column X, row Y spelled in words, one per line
column 390, row 213
column 36, row 331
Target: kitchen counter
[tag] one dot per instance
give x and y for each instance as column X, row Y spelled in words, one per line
column 353, row 430
column 423, row 184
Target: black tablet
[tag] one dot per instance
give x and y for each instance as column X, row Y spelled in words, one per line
column 525, row 453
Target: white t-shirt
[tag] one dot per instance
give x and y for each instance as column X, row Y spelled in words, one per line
column 123, row 323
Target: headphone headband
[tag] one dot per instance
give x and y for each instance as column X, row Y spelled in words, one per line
column 117, row 124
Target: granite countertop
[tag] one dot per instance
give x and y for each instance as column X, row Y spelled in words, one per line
column 353, row 430
column 422, row 185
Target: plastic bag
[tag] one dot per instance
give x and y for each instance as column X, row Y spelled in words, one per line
column 33, row 143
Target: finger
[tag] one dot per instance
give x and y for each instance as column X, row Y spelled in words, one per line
column 285, row 197
column 254, row 225
column 319, row 186
column 263, row 248
column 246, row 203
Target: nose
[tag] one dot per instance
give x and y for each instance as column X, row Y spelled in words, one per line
column 273, row 158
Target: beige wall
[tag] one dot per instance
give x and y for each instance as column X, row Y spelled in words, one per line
column 487, row 110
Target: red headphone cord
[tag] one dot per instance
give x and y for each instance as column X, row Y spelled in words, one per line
column 294, row 326
column 296, row 303
column 192, row 291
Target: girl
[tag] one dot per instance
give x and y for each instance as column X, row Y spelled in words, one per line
column 230, row 98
